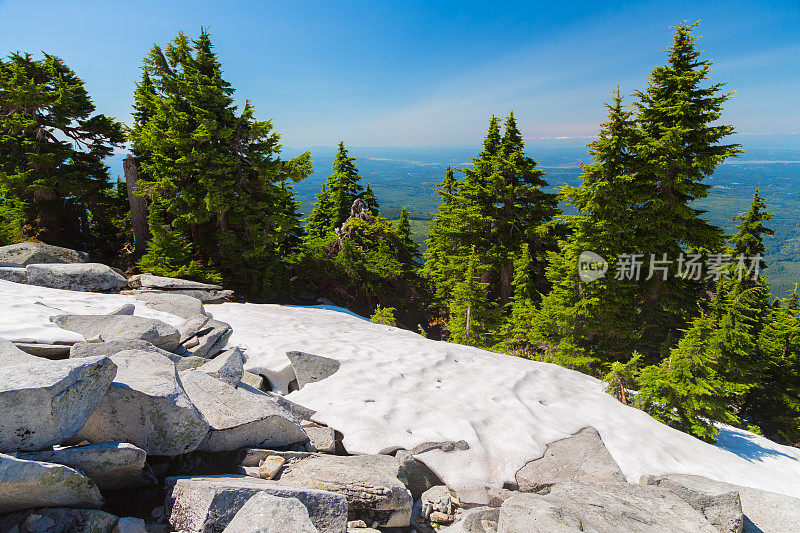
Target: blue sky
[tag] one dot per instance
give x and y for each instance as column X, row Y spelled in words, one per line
column 429, row 73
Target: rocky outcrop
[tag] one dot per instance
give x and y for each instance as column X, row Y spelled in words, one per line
column 600, row 507
column 204, row 337
column 121, row 328
column 237, row 418
column 309, row 368
column 146, row 406
column 60, row 520
column 14, row 274
column 581, row 457
column 109, row 348
column 27, row 484
column 44, row 403
column 84, row 277
column 150, row 281
column 10, row 355
column 175, row 304
column 264, row 513
column 226, row 367
column 476, row 520
column 29, row 253
column 210, row 503
column 371, row 483
column 111, row 465
column 761, row 510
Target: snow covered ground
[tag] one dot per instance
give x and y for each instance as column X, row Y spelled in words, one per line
column 395, row 388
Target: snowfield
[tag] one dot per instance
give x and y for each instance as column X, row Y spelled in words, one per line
column 398, row 389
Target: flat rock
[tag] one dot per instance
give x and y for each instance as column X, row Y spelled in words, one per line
column 175, row 304
column 15, row 274
column 476, row 520
column 581, row 457
column 109, row 348
column 226, row 367
column 321, row 438
column 111, row 465
column 28, row 253
column 371, row 483
column 238, row 418
column 309, row 368
column 85, row 277
column 121, row 328
column 210, row 503
column 59, row 520
column 26, row 484
column 11, row 355
column 126, row 309
column 264, row 513
column 149, row 281
column 212, row 338
column 600, row 507
column 763, row 511
column 146, row 406
column 46, row 351
column 44, row 403
column 252, row 457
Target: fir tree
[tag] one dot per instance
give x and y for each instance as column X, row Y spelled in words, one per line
column 53, row 181
column 471, row 317
column 410, row 250
column 341, row 188
column 215, row 184
column 371, row 200
column 749, row 240
column 685, row 391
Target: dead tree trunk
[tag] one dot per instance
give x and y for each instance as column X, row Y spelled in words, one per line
column 138, row 205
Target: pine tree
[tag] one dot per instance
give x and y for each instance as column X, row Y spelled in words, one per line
column 52, row 146
column 371, row 201
column 685, row 391
column 588, row 324
column 679, row 146
column 471, row 314
column 749, row 240
column 341, row 188
column 215, row 184
column 410, row 249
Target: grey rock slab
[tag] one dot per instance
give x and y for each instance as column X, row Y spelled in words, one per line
column 255, row 381
column 226, row 366
column 309, row 368
column 763, row 510
column 46, row 351
column 581, row 457
column 108, row 348
column 149, row 281
column 11, row 355
column 189, row 362
column 28, row 253
column 210, row 503
column 59, row 520
column 602, row 507
column 238, row 418
column 212, row 338
column 371, row 483
column 436, row 499
column 44, row 403
column 175, row 304
column 129, row 524
column 252, row 457
column 26, row 484
column 264, row 513
column 111, row 465
column 15, row 274
column 419, row 476
column 321, row 438
column 85, row 277
column 121, row 328
column 146, row 406
column 191, row 326
column 475, row 520
column 127, row 309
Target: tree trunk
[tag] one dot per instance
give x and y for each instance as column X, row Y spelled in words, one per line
column 141, row 233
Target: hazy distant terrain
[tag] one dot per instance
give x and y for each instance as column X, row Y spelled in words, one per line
column 408, row 176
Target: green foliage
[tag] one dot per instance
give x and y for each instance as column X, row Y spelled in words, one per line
column 52, row 177
column 623, row 376
column 486, row 219
column 685, row 391
column 471, row 315
column 339, row 192
column 218, row 199
column 384, row 315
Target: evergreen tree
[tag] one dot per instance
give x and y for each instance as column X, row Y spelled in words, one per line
column 471, row 314
column 53, row 183
column 341, row 188
column 371, row 200
column 410, row 250
column 749, row 240
column 685, row 391
column 216, row 186
column 586, row 324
